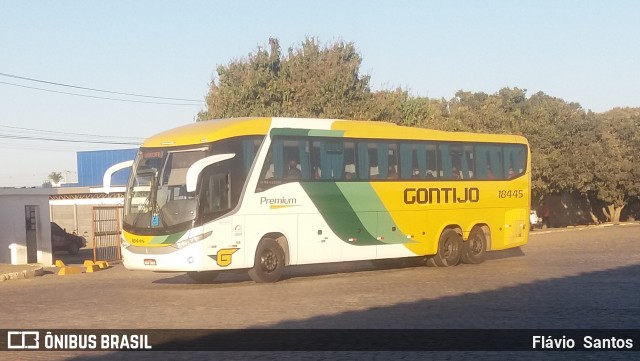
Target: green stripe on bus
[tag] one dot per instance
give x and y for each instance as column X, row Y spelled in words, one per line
column 173, row 238
column 363, row 197
column 290, row 132
column 307, row 132
column 168, row 239
column 338, row 213
column 158, row 239
column 326, row 133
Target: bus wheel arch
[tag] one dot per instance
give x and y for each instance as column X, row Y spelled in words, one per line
column 269, row 262
column 449, row 250
column 474, row 248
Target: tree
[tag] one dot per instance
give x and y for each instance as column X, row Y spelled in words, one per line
column 55, row 178
column 617, row 173
column 309, row 81
column 572, row 150
column 561, row 135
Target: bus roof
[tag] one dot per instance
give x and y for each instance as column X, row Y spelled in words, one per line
column 217, row 129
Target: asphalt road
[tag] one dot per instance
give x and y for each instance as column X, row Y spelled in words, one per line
column 586, row 278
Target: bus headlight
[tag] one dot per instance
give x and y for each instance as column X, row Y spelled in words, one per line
column 192, row 240
column 124, row 243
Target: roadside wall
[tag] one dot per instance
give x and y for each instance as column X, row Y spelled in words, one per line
column 14, row 247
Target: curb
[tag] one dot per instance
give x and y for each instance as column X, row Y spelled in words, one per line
column 582, row 228
column 89, row 267
column 34, row 271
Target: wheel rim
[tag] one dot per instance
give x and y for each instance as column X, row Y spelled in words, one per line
column 268, row 261
column 475, row 245
column 450, row 248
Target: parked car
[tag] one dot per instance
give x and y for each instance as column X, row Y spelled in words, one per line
column 63, row 241
column 536, row 222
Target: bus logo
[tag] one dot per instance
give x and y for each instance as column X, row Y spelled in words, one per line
column 441, row 195
column 223, row 257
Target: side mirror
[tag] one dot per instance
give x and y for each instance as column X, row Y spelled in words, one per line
column 106, row 179
column 196, row 168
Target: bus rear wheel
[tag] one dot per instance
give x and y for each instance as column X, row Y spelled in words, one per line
column 269, row 262
column 474, row 249
column 449, row 250
column 203, row 276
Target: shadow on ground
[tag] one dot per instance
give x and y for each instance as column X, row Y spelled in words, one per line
column 292, row 272
column 596, row 300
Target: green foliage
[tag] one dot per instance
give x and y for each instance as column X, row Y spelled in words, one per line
column 309, row 81
column 616, row 173
column 55, row 177
column 572, row 150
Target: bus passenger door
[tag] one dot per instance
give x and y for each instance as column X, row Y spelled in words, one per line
column 318, row 243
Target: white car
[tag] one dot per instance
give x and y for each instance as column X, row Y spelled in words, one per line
column 534, row 219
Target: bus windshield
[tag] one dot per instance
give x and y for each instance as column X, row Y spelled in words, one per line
column 157, row 197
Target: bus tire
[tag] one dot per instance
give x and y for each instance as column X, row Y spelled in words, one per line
column 430, row 262
column 474, row 249
column 449, row 249
column 269, row 262
column 203, row 276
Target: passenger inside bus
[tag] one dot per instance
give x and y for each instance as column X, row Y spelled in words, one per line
column 457, row 174
column 293, row 172
column 392, row 173
column 350, row 171
column 489, row 172
column 373, row 172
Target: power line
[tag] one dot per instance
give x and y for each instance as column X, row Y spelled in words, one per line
column 99, row 90
column 68, row 133
column 23, row 137
column 97, row 97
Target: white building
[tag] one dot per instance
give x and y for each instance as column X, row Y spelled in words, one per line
column 25, row 231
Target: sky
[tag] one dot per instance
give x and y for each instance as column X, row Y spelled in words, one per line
column 581, row 51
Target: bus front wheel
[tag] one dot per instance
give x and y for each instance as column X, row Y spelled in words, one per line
column 474, row 249
column 449, row 250
column 269, row 262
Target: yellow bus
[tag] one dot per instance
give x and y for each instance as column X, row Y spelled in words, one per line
column 260, row 194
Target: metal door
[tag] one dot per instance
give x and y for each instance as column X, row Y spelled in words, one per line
column 107, row 225
column 31, row 217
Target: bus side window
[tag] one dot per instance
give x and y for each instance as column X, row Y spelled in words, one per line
column 287, row 159
column 514, row 160
column 488, row 161
column 328, row 159
column 496, row 162
column 461, row 158
column 392, row 156
column 363, row 164
column 413, row 161
column 432, row 161
column 373, row 168
column 446, row 170
column 350, row 161
column 296, row 159
column 215, row 192
column 467, row 159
